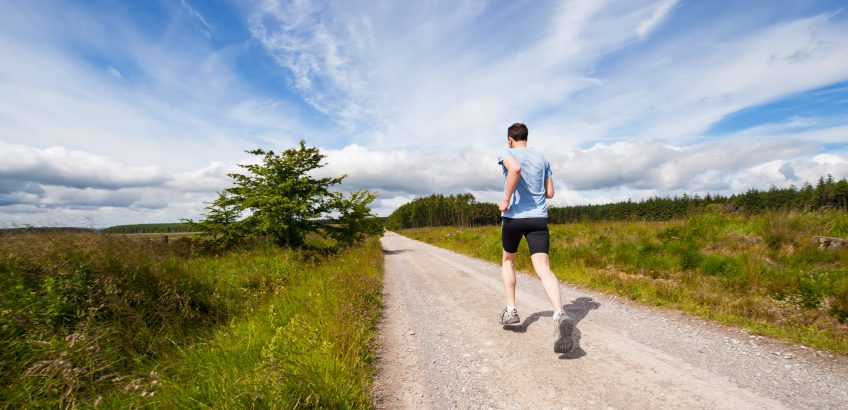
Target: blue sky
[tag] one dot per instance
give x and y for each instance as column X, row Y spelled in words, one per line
column 134, row 111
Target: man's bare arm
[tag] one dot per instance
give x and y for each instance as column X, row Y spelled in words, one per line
column 513, row 173
column 549, row 188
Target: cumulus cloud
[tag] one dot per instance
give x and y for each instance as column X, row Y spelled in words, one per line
column 56, row 180
column 603, row 172
column 412, row 172
column 78, row 169
column 597, row 174
column 59, row 196
column 211, row 178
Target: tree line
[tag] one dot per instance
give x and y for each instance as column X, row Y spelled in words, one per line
column 149, row 228
column 436, row 210
column 464, row 210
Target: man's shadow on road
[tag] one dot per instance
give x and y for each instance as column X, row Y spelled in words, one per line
column 575, row 312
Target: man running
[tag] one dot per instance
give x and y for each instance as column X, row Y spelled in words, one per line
column 528, row 182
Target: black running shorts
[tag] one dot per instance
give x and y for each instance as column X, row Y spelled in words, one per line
column 534, row 229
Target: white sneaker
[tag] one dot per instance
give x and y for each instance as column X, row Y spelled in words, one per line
column 509, row 316
column 563, row 329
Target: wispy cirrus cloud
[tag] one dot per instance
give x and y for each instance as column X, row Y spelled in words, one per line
column 144, row 96
column 193, row 12
column 319, row 51
column 419, row 73
column 655, row 18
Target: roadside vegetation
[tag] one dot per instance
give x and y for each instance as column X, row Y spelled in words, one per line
column 762, row 272
column 272, row 304
column 91, row 319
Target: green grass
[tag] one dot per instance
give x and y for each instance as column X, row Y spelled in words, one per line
column 88, row 319
column 763, row 273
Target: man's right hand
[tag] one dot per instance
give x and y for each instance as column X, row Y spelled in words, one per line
column 504, row 206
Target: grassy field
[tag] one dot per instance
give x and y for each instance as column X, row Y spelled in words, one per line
column 763, row 273
column 111, row 321
column 157, row 235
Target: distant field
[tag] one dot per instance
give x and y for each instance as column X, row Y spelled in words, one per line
column 763, row 273
column 158, row 235
column 88, row 320
column 150, row 228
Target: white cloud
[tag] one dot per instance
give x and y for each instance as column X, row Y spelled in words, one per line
column 44, row 186
column 601, row 173
column 207, row 28
column 60, row 166
column 417, row 76
column 411, row 172
column 114, row 72
column 316, row 51
column 212, row 178
column 656, row 17
column 835, row 134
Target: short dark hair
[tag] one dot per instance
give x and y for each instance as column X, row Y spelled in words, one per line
column 518, row 131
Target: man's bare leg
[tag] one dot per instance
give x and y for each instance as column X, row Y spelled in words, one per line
column 542, row 266
column 563, row 328
column 508, row 274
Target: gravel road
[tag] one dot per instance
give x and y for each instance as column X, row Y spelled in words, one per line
column 441, row 347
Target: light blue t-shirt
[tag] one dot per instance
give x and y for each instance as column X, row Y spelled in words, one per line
column 528, row 200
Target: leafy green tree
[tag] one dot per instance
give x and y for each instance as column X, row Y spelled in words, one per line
column 279, row 198
column 354, row 220
column 221, row 226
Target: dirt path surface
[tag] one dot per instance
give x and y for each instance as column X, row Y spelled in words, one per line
column 442, row 347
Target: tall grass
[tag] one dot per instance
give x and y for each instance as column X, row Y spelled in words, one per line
column 760, row 272
column 308, row 347
column 89, row 319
